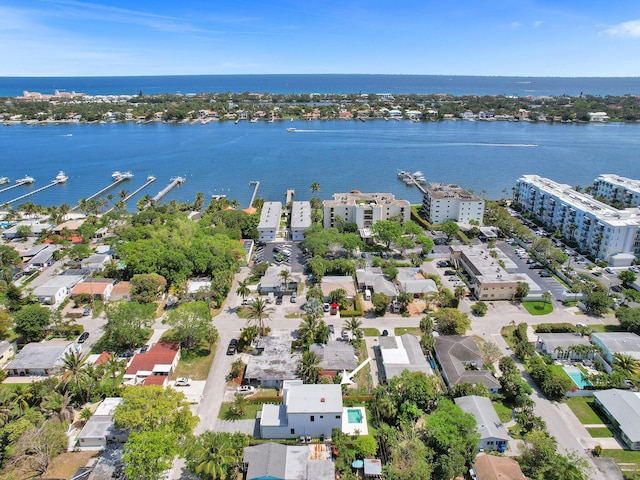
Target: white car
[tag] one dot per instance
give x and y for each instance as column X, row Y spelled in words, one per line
column 182, row 382
column 246, row 389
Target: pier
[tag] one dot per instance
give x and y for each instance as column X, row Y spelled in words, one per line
column 255, row 190
column 150, row 180
column 101, row 192
column 6, row 189
column 174, row 183
column 38, row 190
column 289, row 196
column 411, row 179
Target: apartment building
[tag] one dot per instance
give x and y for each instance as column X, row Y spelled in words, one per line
column 269, row 221
column 443, row 202
column 300, row 220
column 364, row 209
column 601, row 231
column 616, row 189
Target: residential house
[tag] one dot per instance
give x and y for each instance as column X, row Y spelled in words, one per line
column 70, row 226
column 306, row 410
column 99, row 429
column 273, row 461
column 493, row 434
column 94, row 287
column 42, row 259
column 269, row 225
column 36, row 227
column 271, row 281
column 461, row 362
column 564, row 346
column 599, row 117
column 374, row 280
column 330, row 283
column 154, row 366
column 492, row 467
column 442, row 202
column 121, row 291
column 364, row 209
column 625, row 343
column 300, row 220
column 56, row 289
column 41, row 358
column 96, row 262
column 397, row 354
column 7, row 352
column 622, row 408
column 413, row 282
column 335, row 357
column 274, row 365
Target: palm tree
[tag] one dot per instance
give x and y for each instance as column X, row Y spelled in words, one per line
column 243, row 288
column 546, row 296
column 259, row 312
column 322, row 333
column 114, row 366
column 212, row 455
column 308, row 329
column 353, row 325
column 72, row 366
column 404, row 299
column 315, row 187
column 309, row 367
column 58, row 406
column 239, row 405
column 285, row 275
column 459, row 292
column 625, row 363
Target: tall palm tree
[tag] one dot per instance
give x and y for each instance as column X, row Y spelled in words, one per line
column 546, row 297
column 58, row 406
column 285, row 275
column 212, row 455
column 259, row 313
column 315, row 187
column 243, row 289
column 459, row 292
column 625, row 363
column 72, row 369
column 354, row 325
column 309, row 367
column 308, row 329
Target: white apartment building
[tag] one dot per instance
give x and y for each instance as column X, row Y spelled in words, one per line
column 300, row 220
column 269, row 221
column 364, row 209
column 614, row 188
column 600, row 230
column 444, row 202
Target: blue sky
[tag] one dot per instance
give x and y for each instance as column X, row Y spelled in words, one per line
column 444, row 37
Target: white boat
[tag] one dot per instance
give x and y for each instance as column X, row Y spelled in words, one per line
column 61, row 177
column 291, row 129
column 24, row 180
column 4, row 180
column 121, row 175
column 418, row 173
column 402, row 174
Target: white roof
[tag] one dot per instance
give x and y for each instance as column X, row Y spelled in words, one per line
column 489, row 425
column 624, row 406
column 108, row 406
column 321, row 398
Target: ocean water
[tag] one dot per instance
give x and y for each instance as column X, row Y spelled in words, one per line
column 222, row 158
column 421, row 84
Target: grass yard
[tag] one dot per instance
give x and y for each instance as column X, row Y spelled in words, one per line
column 627, row 460
column 538, row 307
column 371, row 332
column 600, row 432
column 505, row 414
column 195, row 363
column 66, row 464
column 606, row 328
column 410, row 330
column 250, row 411
column 583, row 408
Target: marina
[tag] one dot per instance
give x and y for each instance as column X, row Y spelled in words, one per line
column 256, row 184
column 117, row 179
column 4, row 180
column 174, row 182
column 410, row 179
column 150, row 180
column 60, row 178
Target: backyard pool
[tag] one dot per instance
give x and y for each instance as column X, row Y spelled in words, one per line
column 576, row 376
column 354, row 415
column 354, row 421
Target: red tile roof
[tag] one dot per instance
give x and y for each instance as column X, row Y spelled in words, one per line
column 103, row 358
column 154, row 380
column 162, row 353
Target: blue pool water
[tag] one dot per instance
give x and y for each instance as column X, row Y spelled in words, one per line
column 354, row 416
column 576, row 376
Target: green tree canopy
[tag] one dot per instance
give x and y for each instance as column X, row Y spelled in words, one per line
column 31, row 322
column 147, row 454
column 386, row 231
column 450, row 321
column 126, row 325
column 191, row 323
column 147, row 287
column 450, row 228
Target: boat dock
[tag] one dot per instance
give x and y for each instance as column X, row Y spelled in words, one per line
column 289, row 196
column 37, row 190
column 174, row 182
column 150, row 180
column 411, row 179
column 103, row 191
column 255, row 190
column 16, row 185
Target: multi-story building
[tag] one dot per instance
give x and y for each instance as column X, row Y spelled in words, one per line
column 269, row 221
column 443, row 202
column 300, row 220
column 364, row 209
column 617, row 190
column 599, row 230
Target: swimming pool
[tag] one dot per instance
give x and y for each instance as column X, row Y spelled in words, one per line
column 354, row 415
column 576, row 376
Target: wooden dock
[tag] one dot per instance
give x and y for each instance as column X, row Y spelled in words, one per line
column 150, row 180
column 103, row 191
column 173, row 183
column 11, row 187
column 38, row 190
column 255, row 191
column 289, row 196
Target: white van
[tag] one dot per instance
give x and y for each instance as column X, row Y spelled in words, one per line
column 367, row 294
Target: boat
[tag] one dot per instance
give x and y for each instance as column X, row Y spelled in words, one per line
column 25, row 180
column 291, row 129
column 61, row 177
column 121, row 175
column 254, row 120
column 402, row 174
column 4, row 180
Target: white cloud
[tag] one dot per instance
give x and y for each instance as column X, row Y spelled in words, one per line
column 537, row 23
column 630, row 29
column 515, row 25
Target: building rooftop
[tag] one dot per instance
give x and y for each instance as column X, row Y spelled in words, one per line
column 374, row 278
column 42, row 355
column 562, row 340
column 108, row 406
column 455, row 353
column 362, row 199
column 402, row 353
column 275, row 363
column 619, row 342
column 160, row 354
column 624, row 406
column 335, row 355
column 300, row 215
column 492, row 467
column 275, row 461
column 452, row 191
column 312, row 398
column 488, row 268
column 92, row 288
column 627, row 183
column 488, row 423
column 330, row 283
column 270, row 215
column 412, row 281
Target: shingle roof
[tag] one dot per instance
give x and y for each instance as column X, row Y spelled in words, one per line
column 488, row 423
column 335, row 355
column 455, row 353
column 268, row 460
column 624, row 406
column 491, row 467
column 44, row 355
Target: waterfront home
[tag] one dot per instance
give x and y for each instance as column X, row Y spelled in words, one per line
column 154, row 366
column 273, row 461
column 599, row 117
column 442, row 202
column 300, row 220
column 397, row 354
column 460, row 361
column 306, row 410
column 493, row 434
column 364, row 209
column 40, row 358
column 622, row 408
column 269, row 224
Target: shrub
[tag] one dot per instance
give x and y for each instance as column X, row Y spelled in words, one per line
column 556, row 328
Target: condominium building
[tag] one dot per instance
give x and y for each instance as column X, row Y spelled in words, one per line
column 616, row 189
column 300, row 220
column 601, row 231
column 269, row 221
column 443, row 202
column 364, row 209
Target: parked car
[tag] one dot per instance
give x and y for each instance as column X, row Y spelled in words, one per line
column 345, row 335
column 609, row 270
column 326, row 307
column 616, row 288
column 83, row 337
column 144, row 349
column 545, row 273
column 86, row 312
column 279, row 300
column 385, row 333
column 449, row 272
column 331, row 329
column 634, row 269
column 183, row 382
column 246, row 389
column 233, row 346
column 442, row 263
column 294, row 298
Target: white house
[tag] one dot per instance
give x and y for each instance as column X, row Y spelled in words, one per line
column 306, row 410
column 56, row 289
column 100, row 429
column 493, row 433
column 40, row 359
column 625, row 343
column 269, row 221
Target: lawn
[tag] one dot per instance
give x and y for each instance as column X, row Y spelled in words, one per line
column 250, row 411
column 371, row 332
column 66, row 464
column 195, row 363
column 504, row 413
column 606, row 328
column 583, row 408
column 627, row 460
column 600, row 432
column 410, row 330
column 538, row 307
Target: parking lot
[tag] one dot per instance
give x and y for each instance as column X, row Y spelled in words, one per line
column 281, row 254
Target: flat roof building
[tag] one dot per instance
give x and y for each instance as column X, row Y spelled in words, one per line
column 623, row 410
column 274, row 365
column 269, row 221
column 617, row 190
column 626, row 343
column 398, row 354
column 443, row 202
column 364, row 209
column 300, row 220
column 563, row 345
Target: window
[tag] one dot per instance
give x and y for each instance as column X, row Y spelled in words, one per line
column 337, row 417
column 321, row 416
column 313, row 418
column 293, row 431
